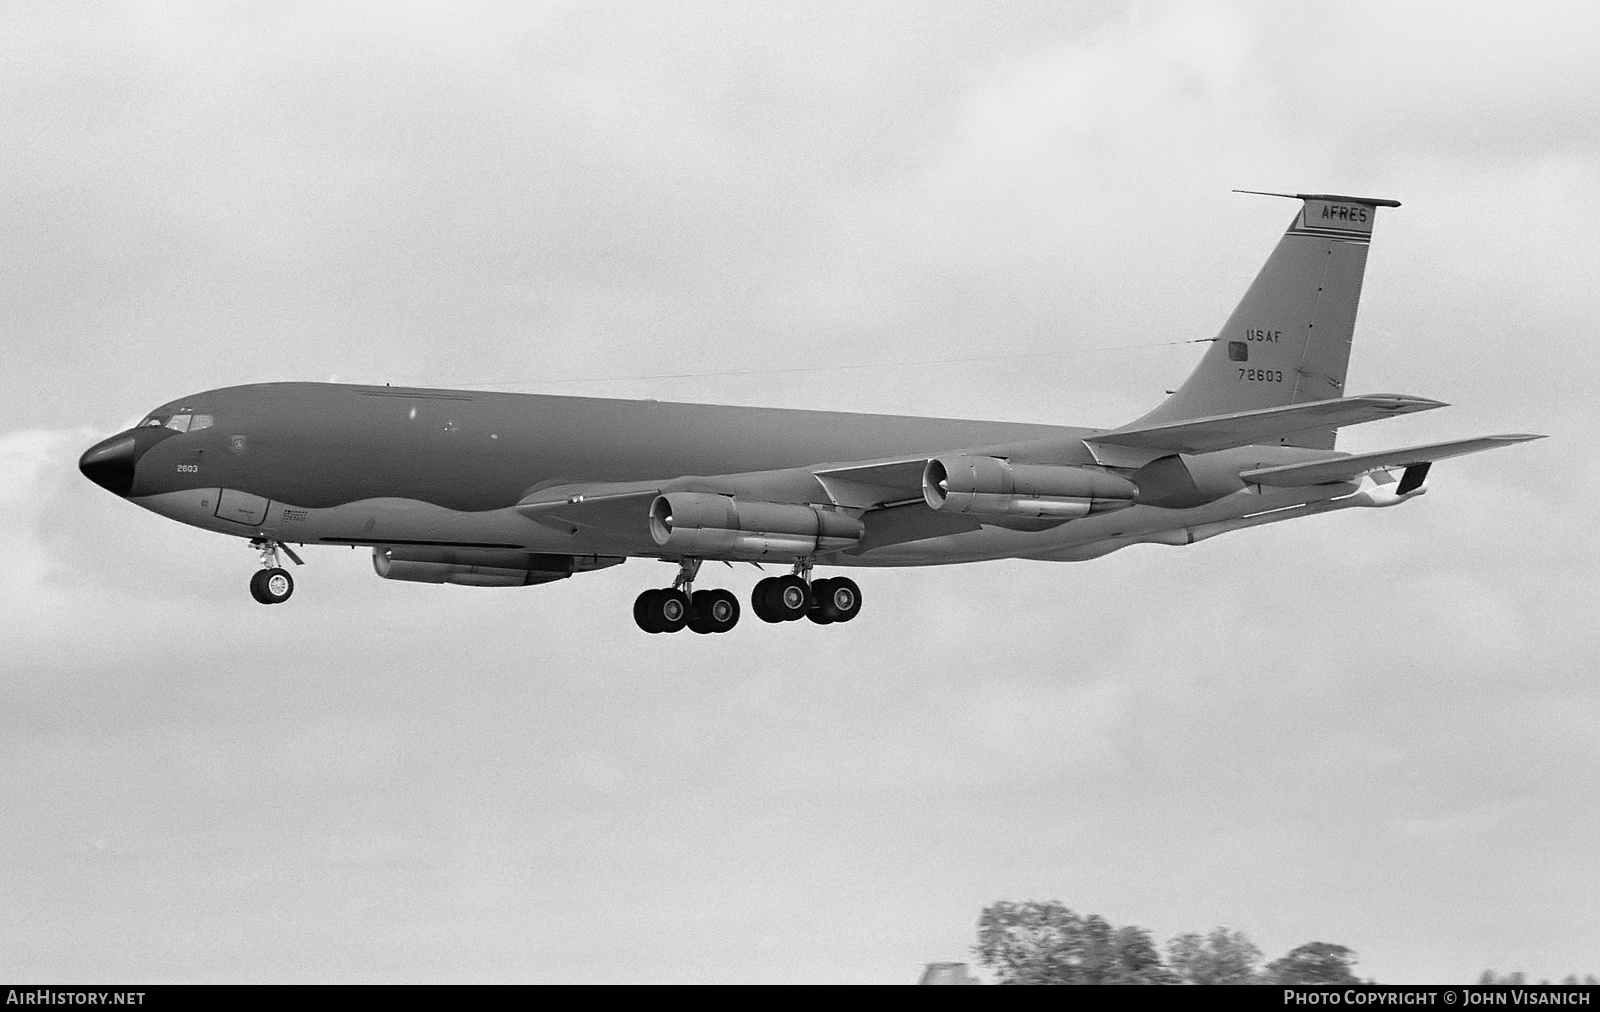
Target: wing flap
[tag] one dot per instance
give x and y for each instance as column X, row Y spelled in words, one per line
column 1334, row 469
column 1263, row 425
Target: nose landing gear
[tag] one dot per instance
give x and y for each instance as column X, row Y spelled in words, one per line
column 272, row 584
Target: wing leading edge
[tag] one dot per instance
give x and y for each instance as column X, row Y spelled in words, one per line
column 867, row 486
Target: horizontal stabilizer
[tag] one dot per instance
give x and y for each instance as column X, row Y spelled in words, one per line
column 1337, row 198
column 1263, row 425
column 1334, row 469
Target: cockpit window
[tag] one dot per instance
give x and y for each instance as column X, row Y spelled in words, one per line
column 179, row 423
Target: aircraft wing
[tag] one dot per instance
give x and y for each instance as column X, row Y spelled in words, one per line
column 888, row 495
column 612, row 509
column 866, row 486
column 1333, row 469
column 1263, row 425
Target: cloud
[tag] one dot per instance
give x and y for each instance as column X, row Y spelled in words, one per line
column 1490, row 81
column 30, row 461
column 1478, row 820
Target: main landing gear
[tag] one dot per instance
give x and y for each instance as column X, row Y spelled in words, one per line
column 788, row 598
column 775, row 599
column 272, row 584
column 680, row 606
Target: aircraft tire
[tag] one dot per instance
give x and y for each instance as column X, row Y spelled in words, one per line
column 641, row 611
column 820, row 590
column 700, row 612
column 760, row 600
column 669, row 610
column 721, row 610
column 789, row 598
column 840, row 601
column 271, row 586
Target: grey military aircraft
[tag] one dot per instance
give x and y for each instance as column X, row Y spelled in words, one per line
column 505, row 490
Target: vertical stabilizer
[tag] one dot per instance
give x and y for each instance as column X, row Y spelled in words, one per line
column 1288, row 340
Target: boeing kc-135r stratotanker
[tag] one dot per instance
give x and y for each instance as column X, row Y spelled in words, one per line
column 505, row 490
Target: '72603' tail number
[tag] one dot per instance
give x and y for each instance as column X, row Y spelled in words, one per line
column 1261, row 375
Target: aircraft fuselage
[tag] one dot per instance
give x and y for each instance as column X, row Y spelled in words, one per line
column 346, row 464
column 322, row 463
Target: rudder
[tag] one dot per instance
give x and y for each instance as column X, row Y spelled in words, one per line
column 1288, row 340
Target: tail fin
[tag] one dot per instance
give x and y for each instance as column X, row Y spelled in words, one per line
column 1288, row 340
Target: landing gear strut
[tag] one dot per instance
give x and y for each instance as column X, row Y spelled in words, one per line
column 681, row 606
column 272, row 584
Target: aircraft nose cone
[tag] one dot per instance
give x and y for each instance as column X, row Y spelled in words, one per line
column 109, row 463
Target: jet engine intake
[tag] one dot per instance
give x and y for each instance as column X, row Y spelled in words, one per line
column 996, row 487
column 479, row 567
column 708, row 524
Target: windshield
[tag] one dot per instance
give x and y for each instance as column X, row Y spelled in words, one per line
column 179, row 423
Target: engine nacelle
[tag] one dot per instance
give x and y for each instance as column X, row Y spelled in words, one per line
column 995, row 487
column 480, row 567
column 704, row 523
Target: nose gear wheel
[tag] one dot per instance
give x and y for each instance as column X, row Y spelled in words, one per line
column 271, row 586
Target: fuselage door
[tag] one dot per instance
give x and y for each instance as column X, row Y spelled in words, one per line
column 241, row 507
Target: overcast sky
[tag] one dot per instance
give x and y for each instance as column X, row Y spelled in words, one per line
column 1376, row 728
